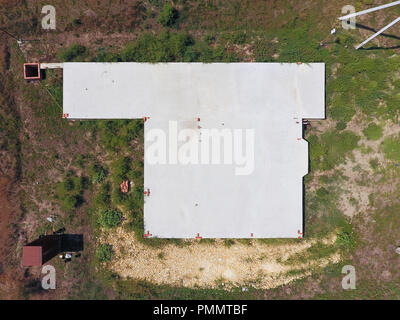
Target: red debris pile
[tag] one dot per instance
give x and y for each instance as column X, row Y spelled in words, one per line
column 125, row 186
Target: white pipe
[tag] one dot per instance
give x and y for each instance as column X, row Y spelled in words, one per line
column 369, row 10
column 57, row 65
column 378, row 33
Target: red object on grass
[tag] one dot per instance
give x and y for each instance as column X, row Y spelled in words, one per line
column 31, row 256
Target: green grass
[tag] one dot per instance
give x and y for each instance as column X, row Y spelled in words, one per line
column 373, row 131
column 391, row 148
column 331, row 148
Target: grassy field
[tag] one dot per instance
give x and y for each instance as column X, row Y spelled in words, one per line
column 72, row 170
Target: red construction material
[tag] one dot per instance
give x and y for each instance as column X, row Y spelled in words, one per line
column 65, row 115
column 147, row 192
column 300, row 234
column 147, row 235
column 198, row 236
column 31, row 256
column 125, row 186
column 32, row 71
column 145, row 119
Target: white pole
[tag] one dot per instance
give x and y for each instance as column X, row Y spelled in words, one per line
column 369, row 10
column 378, row 33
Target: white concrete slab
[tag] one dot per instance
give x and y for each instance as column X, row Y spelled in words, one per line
column 211, row 200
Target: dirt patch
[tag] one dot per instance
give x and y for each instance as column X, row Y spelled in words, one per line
column 212, row 265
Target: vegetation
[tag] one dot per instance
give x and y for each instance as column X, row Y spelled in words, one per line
column 168, row 47
column 168, row 15
column 104, row 253
column 391, row 148
column 110, row 218
column 373, row 131
column 97, row 173
column 75, row 52
column 361, row 85
column 70, row 191
column 331, row 148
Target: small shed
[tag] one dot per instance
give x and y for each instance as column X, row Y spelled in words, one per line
column 32, row 256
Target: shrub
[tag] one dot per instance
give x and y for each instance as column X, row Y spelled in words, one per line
column 104, row 253
column 168, row 15
column 75, row 52
column 345, row 238
column 374, row 163
column 70, row 191
column 104, row 56
column 102, row 198
column 120, row 168
column 341, row 125
column 373, row 131
column 110, row 218
column 97, row 173
column 165, row 47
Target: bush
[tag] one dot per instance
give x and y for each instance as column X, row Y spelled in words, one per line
column 104, row 253
column 168, row 15
column 110, row 218
column 373, row 131
column 165, row 47
column 103, row 56
column 97, row 173
column 341, row 125
column 75, row 52
column 102, row 198
column 120, row 169
column 169, row 47
column 70, row 191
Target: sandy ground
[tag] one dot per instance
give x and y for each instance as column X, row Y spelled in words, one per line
column 211, row 265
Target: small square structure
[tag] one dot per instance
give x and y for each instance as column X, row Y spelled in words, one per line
column 32, row 71
column 31, row 256
column 210, row 199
